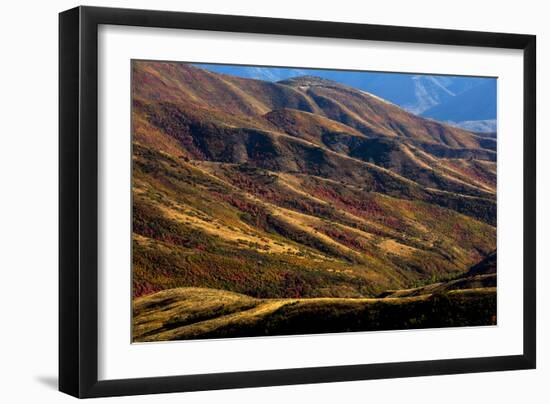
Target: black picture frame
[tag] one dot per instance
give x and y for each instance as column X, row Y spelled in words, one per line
column 78, row 201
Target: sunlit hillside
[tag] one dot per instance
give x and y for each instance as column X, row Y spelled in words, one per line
column 256, row 202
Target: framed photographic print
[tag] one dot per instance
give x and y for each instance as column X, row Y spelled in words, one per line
column 250, row 201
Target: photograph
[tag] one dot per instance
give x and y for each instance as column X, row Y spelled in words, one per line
column 293, row 201
column 276, row 202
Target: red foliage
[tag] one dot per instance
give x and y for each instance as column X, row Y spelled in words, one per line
column 358, row 206
column 143, row 288
column 256, row 212
column 347, row 239
column 248, row 184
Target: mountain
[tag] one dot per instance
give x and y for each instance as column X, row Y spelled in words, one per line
column 482, row 126
column 475, row 104
column 467, row 102
column 297, row 189
column 417, row 92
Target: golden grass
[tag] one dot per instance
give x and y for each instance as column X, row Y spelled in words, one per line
column 446, row 169
column 156, row 316
column 471, row 283
column 190, row 313
column 218, row 228
column 397, row 248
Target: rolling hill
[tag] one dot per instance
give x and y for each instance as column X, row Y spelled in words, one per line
column 192, row 313
column 299, row 189
column 466, row 102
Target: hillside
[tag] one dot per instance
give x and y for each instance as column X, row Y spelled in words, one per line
column 303, row 188
column 416, row 93
column 190, row 313
column 487, row 266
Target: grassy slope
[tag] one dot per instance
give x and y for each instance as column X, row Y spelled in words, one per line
column 370, row 114
column 255, row 233
column 210, row 141
column 291, row 191
column 194, row 313
column 470, row 282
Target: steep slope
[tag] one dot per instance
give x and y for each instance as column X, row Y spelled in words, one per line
column 186, row 85
column 197, row 88
column 403, row 157
column 192, row 122
column 278, row 151
column 211, row 224
column 304, row 188
column 415, row 93
column 374, row 116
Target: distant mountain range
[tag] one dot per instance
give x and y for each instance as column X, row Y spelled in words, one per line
column 475, row 105
column 467, row 102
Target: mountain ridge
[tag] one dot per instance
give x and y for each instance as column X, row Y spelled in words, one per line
column 417, row 93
